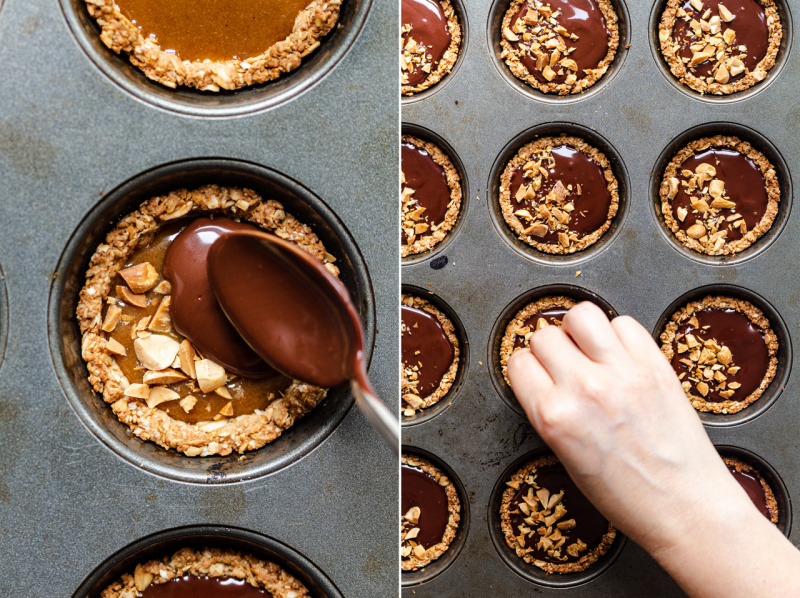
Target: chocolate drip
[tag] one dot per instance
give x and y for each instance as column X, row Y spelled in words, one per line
column 214, row 30
column 553, row 316
column 749, row 22
column 195, row 312
column 580, row 17
column 734, row 330
column 424, row 342
column 190, row 586
column 429, row 27
column 419, row 489
column 590, row 525
column 752, row 485
column 429, row 183
column 572, row 167
column 744, row 184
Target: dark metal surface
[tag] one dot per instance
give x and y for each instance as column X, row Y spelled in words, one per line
column 69, row 135
column 639, row 117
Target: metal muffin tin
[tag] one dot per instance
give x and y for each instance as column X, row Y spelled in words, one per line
column 83, row 138
column 638, row 116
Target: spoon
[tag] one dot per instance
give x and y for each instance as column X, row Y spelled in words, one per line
column 309, row 329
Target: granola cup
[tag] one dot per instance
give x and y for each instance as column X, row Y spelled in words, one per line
column 448, row 60
column 126, row 398
column 120, row 35
column 212, row 563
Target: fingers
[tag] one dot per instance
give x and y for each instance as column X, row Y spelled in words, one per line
column 529, row 380
column 637, row 341
column 589, row 327
column 558, row 354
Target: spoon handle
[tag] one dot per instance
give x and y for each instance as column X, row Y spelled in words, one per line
column 377, row 413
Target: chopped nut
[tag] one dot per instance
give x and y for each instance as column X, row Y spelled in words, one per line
column 227, row 410
column 716, row 188
column 566, row 525
column 412, row 515
column 722, row 75
column 548, row 73
column 126, row 295
column 702, row 388
column 137, row 391
column 723, row 204
column 697, row 5
column 696, row 231
column 419, row 551
column 188, row 403
column 674, row 185
column 724, row 356
column 510, row 35
column 112, row 318
column 167, row 376
column 161, row 394
column 115, row 347
column 223, row 392
column 156, row 352
column 140, row 278
column 724, row 13
column 682, row 213
column 210, row 375
column 537, row 230
column 161, row 321
column 706, row 170
column 141, row 578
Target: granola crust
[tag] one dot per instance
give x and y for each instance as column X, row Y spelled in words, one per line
column 242, row 433
column 519, row 70
column 428, row 242
column 679, row 70
column 211, row 562
column 510, row 336
column 521, row 157
column 412, row 562
column 756, row 316
column 747, row 150
column 449, row 377
column 120, row 35
column 587, row 560
column 769, row 495
column 449, row 57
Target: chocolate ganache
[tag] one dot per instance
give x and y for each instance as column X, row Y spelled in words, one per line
column 752, row 485
column 428, row 182
column 554, row 316
column 190, row 586
column 424, row 21
column 420, row 490
column 426, row 348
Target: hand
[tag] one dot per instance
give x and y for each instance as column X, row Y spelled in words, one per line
column 604, row 398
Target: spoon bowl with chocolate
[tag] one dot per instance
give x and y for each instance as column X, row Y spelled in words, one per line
column 310, row 330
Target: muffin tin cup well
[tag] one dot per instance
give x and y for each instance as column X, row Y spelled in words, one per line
column 167, row 542
column 463, row 364
column 412, row 579
column 776, row 387
column 772, row 478
column 461, row 14
column 780, row 60
column 531, row 572
column 553, row 130
column 64, row 336
column 499, row 330
column 760, row 143
column 494, row 35
column 190, row 101
column 439, row 248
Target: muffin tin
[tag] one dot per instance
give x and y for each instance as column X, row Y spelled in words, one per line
column 638, row 118
column 78, row 149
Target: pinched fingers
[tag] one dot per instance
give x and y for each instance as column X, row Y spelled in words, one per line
column 590, row 329
column 558, row 354
column 530, row 382
column 638, row 342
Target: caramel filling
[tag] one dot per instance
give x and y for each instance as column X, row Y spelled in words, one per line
column 214, row 30
column 246, row 395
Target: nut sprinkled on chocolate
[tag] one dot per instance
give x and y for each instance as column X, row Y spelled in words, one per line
column 559, row 46
column 720, row 47
column 431, row 38
column 719, row 195
column 723, row 351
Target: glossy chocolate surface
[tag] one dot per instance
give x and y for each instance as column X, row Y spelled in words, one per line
column 732, row 329
column 211, row 29
column 580, row 17
column 590, row 526
column 553, row 316
column 752, row 485
column 749, row 22
column 190, row 586
column 429, row 27
column 418, row 489
column 288, row 307
column 429, row 183
column 572, row 167
column 195, row 311
column 425, row 345
column 744, row 184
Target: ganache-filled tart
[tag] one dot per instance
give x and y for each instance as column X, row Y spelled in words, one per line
column 559, row 194
column 430, row 40
column 560, row 46
column 549, row 523
column 430, row 195
column 724, row 352
column 719, row 195
column 720, row 47
column 220, row 573
column 430, row 354
column 430, row 512
column 156, row 343
column 213, row 45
